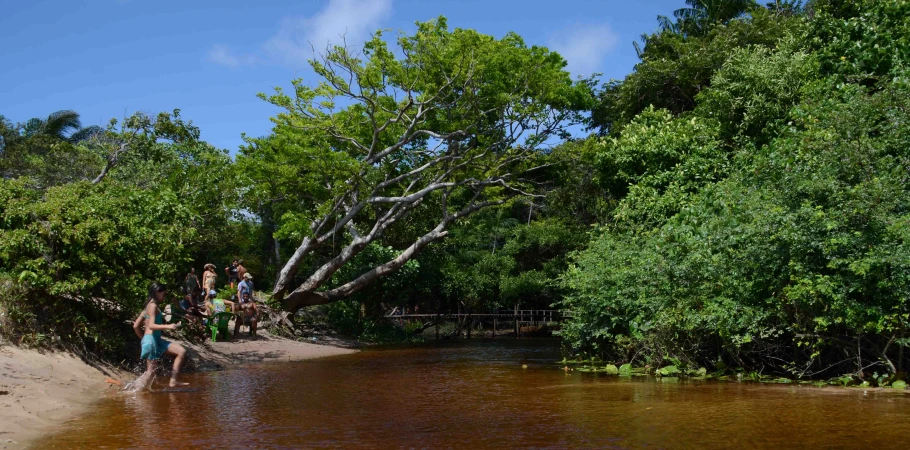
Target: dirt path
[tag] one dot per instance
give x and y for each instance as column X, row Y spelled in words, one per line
column 40, row 390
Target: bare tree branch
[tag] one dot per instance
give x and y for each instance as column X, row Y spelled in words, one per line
column 112, row 160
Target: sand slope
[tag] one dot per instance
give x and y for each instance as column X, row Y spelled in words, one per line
column 40, row 390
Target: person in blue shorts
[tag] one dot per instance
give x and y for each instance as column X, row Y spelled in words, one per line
column 153, row 346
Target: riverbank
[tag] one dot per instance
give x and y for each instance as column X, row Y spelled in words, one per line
column 40, row 390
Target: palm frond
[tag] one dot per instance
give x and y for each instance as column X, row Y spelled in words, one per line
column 638, row 49
column 58, row 123
column 84, row 134
column 684, row 14
column 702, row 14
column 667, row 24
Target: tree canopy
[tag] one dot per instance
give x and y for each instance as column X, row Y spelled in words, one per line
column 459, row 122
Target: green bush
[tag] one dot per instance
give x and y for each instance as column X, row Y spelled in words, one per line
column 80, row 256
column 752, row 93
column 793, row 257
column 860, row 41
column 804, row 244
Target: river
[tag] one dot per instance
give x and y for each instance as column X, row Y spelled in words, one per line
column 477, row 394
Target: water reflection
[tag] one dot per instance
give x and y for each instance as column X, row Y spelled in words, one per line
column 478, row 395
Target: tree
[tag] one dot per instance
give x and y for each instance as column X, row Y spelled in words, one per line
column 701, row 15
column 64, row 125
column 864, row 41
column 767, row 228
column 456, row 124
column 138, row 138
column 675, row 68
column 58, row 150
column 46, row 149
column 76, row 256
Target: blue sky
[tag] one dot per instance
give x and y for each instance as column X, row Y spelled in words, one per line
column 109, row 58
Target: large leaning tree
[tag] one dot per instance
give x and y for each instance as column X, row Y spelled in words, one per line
column 417, row 136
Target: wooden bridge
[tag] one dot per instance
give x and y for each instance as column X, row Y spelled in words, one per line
column 517, row 318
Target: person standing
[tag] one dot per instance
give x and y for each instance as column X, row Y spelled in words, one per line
column 208, row 279
column 190, row 284
column 231, row 271
column 241, row 270
column 153, row 346
column 245, row 286
column 189, row 303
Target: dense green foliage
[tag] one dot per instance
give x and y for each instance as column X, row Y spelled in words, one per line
column 76, row 257
column 743, row 202
column 47, row 150
column 675, row 68
column 84, row 253
column 481, row 119
column 767, row 227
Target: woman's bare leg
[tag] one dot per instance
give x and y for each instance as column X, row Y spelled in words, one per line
column 179, row 355
column 145, row 380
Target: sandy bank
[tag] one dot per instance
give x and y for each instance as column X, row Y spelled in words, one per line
column 40, row 390
column 265, row 348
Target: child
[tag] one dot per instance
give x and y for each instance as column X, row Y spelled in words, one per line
column 153, row 347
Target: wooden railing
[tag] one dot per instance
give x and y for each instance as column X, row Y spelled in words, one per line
column 521, row 315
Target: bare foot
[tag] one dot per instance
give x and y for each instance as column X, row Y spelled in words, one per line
column 175, row 383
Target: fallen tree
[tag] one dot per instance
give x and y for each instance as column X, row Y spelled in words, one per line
column 451, row 123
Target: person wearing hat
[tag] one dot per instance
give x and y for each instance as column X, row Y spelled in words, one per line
column 245, row 286
column 214, row 305
column 208, row 280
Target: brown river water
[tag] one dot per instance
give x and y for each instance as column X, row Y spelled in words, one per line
column 477, row 395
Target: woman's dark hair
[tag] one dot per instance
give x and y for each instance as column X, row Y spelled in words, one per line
column 154, row 288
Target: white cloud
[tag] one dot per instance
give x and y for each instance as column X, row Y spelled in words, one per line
column 353, row 20
column 584, row 47
column 224, row 56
